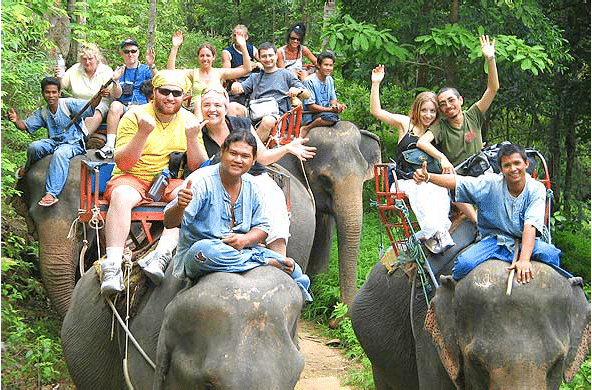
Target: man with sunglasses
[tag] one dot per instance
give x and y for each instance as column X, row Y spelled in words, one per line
column 146, row 136
column 126, row 90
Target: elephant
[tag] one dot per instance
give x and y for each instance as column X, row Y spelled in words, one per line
column 344, row 159
column 227, row 331
column 59, row 256
column 472, row 335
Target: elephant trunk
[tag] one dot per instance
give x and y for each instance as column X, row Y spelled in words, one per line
column 348, row 218
column 58, row 260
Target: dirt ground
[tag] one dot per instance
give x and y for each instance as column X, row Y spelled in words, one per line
column 324, row 365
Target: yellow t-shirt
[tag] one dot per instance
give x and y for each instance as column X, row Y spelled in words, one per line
column 161, row 142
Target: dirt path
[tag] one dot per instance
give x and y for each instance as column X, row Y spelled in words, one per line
column 324, row 367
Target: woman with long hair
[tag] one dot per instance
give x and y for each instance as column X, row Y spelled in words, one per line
column 290, row 55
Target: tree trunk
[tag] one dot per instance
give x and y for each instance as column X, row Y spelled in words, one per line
column 554, row 152
column 570, row 148
column 151, row 25
column 327, row 12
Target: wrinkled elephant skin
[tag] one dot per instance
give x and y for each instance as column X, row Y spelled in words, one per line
column 229, row 331
column 344, row 159
column 473, row 336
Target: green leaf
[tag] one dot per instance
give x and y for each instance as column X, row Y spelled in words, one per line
column 526, row 64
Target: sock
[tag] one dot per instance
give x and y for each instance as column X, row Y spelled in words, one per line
column 111, row 140
column 114, row 255
column 166, row 244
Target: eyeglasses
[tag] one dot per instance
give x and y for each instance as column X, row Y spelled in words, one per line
column 133, row 51
column 295, row 38
column 167, row 92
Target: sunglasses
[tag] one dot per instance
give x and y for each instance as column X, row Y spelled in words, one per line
column 133, row 51
column 167, row 92
column 295, row 39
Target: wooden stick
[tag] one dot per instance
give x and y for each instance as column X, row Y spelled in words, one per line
column 87, row 105
column 513, row 271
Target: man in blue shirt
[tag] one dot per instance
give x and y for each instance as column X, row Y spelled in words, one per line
column 222, row 218
column 511, row 205
column 323, row 100
column 126, row 89
column 62, row 143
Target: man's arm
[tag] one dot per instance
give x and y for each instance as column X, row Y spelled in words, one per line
column 445, row 180
column 177, row 40
column 13, row 117
column 425, row 143
column 226, row 57
column 233, row 73
column 117, row 73
column 150, row 58
column 523, row 266
column 196, row 152
column 128, row 155
column 488, row 50
column 239, row 241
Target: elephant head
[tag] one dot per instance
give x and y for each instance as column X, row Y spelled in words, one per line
column 344, row 159
column 58, row 256
column 232, row 331
column 528, row 339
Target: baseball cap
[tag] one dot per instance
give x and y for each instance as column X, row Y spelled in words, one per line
column 128, row 42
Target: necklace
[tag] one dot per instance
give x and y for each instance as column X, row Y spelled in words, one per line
column 162, row 124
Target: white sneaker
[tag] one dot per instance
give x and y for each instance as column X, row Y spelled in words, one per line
column 112, row 278
column 105, row 152
column 154, row 265
column 433, row 245
column 445, row 239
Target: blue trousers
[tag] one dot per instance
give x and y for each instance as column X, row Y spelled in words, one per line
column 59, row 165
column 212, row 255
column 488, row 248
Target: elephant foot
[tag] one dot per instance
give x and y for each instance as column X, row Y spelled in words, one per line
column 287, row 265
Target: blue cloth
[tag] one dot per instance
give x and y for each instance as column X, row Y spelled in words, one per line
column 135, row 77
column 321, row 93
column 501, row 219
column 62, row 144
column 488, row 248
column 207, row 220
column 56, row 123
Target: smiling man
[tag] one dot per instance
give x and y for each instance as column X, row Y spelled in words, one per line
column 222, row 218
column 511, row 205
column 145, row 138
column 323, row 99
column 275, row 82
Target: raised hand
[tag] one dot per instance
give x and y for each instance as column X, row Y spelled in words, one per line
column 150, row 56
column 378, row 74
column 146, row 123
column 421, row 175
column 487, row 46
column 185, row 196
column 241, row 40
column 12, row 115
column 193, row 126
column 118, row 72
column 177, row 38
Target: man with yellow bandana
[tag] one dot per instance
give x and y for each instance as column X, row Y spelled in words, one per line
column 146, row 136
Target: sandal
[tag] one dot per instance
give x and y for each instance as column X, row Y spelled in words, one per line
column 48, row 200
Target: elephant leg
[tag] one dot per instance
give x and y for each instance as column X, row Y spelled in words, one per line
column 321, row 247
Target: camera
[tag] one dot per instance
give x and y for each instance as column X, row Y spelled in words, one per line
column 127, row 90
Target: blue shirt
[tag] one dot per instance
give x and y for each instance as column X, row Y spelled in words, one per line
column 321, row 93
column 500, row 214
column 135, row 77
column 275, row 84
column 208, row 216
column 56, row 123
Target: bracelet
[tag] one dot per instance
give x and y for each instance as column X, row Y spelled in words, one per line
column 492, row 57
column 428, row 178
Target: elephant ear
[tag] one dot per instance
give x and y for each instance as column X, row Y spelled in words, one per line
column 163, row 358
column 370, row 149
column 579, row 330
column 440, row 322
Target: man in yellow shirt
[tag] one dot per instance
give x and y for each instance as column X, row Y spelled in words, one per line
column 146, row 136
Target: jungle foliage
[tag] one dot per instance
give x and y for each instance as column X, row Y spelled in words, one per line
column 543, row 57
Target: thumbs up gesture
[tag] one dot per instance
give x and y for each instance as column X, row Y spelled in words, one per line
column 185, row 196
column 421, row 175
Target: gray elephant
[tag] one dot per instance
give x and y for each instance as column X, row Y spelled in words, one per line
column 228, row 331
column 59, row 256
column 344, row 159
column 473, row 335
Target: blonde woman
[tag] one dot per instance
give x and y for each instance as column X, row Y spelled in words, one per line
column 430, row 203
column 206, row 76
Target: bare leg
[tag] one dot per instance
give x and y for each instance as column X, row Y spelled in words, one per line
column 318, row 122
column 93, row 122
column 265, row 127
column 117, row 225
column 113, row 117
column 287, row 265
